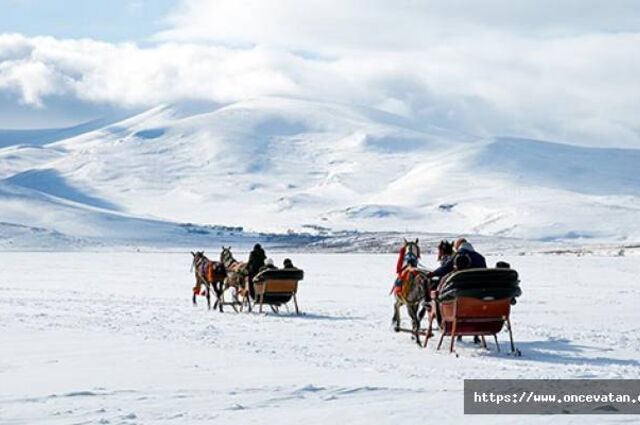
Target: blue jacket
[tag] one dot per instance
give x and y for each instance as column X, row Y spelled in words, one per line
column 477, row 262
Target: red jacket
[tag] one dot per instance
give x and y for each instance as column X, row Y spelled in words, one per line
column 400, row 260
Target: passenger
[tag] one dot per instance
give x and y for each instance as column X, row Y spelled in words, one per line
column 268, row 265
column 503, row 265
column 461, row 262
column 464, row 259
column 462, row 247
column 288, row 264
column 256, row 262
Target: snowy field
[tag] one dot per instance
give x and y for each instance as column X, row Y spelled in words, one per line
column 112, row 338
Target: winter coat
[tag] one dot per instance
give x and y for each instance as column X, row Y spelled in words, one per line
column 258, row 277
column 477, row 260
column 445, row 259
column 256, row 260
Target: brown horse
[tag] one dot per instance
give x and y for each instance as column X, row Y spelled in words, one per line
column 209, row 274
column 237, row 278
column 445, row 251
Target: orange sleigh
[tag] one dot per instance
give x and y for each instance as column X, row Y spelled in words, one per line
column 474, row 302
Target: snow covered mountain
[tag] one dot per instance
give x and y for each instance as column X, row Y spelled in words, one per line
column 276, row 164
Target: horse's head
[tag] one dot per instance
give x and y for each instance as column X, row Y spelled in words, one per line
column 198, row 256
column 411, row 247
column 445, row 248
column 409, row 254
column 226, row 257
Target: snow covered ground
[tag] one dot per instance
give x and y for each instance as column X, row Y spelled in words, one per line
column 112, row 338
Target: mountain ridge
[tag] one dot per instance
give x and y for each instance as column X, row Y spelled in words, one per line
column 279, row 164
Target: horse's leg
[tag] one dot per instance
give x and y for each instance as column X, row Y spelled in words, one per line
column 422, row 312
column 238, row 298
column 235, row 300
column 222, row 289
column 396, row 316
column 208, row 295
column 429, row 330
column 221, row 303
column 415, row 322
column 196, row 291
column 244, row 292
column 218, row 288
column 247, row 296
column 215, row 292
column 246, row 301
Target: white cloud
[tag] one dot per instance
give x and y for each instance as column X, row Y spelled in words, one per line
column 493, row 69
column 32, row 79
column 345, row 25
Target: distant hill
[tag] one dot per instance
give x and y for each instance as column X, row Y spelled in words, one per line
column 276, row 164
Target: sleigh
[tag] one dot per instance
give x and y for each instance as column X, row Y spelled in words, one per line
column 474, row 302
column 277, row 287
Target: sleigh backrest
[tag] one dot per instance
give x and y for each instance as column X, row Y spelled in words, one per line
column 473, row 308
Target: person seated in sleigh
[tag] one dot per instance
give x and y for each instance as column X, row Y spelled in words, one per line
column 461, row 248
column 465, row 257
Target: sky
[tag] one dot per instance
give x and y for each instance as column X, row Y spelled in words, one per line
column 564, row 70
column 112, row 20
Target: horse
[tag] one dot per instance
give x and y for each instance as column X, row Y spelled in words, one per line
column 410, row 289
column 210, row 274
column 237, row 275
column 445, row 251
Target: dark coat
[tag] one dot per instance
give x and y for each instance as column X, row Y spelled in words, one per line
column 256, row 260
column 477, row 262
